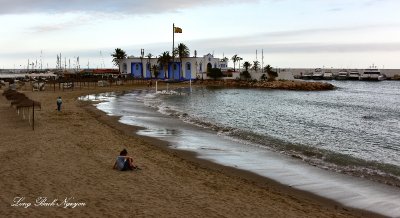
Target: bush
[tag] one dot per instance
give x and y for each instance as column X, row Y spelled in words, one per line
column 215, row 73
column 263, row 77
column 246, row 74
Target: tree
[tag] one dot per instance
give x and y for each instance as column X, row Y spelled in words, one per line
column 271, row 73
column 118, row 55
column 183, row 52
column 215, row 73
column 155, row 71
column 246, row 65
column 240, row 59
column 246, row 74
column 256, row 65
column 263, row 77
column 235, row 58
column 163, row 60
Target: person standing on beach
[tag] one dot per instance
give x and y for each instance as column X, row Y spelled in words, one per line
column 124, row 162
column 59, row 103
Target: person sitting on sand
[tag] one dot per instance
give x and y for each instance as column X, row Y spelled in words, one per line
column 124, row 162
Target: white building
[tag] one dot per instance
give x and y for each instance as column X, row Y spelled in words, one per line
column 192, row 67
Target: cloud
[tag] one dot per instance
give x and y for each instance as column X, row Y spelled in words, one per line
column 130, row 7
column 301, row 40
column 300, row 47
column 76, row 20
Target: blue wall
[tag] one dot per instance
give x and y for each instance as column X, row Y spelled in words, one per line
column 136, row 69
column 188, row 71
column 161, row 73
column 174, row 74
column 148, row 71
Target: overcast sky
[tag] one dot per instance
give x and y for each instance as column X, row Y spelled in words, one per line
column 292, row 33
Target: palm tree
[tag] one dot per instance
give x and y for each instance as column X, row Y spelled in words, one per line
column 163, row 60
column 235, row 58
column 149, row 56
column 240, row 59
column 118, row 55
column 183, row 52
column 246, row 65
column 155, row 71
column 256, row 65
column 271, row 73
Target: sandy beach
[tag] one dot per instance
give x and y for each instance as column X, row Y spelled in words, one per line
column 64, row 168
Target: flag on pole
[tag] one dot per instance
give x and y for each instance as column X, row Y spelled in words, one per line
column 177, row 30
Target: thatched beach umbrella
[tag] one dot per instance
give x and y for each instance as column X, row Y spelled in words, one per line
column 27, row 103
column 14, row 95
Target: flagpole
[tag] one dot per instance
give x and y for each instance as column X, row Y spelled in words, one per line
column 262, row 61
column 173, row 45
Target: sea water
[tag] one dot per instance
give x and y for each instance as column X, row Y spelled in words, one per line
column 354, row 128
column 357, row 123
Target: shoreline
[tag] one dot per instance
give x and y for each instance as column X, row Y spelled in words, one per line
column 213, row 178
column 247, row 176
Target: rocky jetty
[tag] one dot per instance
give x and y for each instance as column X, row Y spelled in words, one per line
column 282, row 84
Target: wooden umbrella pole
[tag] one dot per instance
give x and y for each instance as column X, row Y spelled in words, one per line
column 33, row 115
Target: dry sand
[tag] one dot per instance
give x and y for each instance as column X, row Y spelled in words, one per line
column 70, row 154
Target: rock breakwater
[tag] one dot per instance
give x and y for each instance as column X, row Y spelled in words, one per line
column 282, row 84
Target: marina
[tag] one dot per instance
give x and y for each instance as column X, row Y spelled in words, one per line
column 372, row 73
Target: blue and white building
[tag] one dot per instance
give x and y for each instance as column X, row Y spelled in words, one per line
column 190, row 68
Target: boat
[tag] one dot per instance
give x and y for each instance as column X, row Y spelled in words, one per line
column 307, row 75
column 372, row 74
column 328, row 75
column 343, row 75
column 354, row 75
column 318, row 74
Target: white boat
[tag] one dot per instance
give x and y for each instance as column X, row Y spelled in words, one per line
column 372, row 74
column 307, row 75
column 328, row 75
column 342, row 75
column 354, row 75
column 318, row 74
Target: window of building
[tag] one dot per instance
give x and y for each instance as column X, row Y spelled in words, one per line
column 137, row 66
column 187, row 66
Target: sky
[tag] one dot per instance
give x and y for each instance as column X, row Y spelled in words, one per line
column 282, row 33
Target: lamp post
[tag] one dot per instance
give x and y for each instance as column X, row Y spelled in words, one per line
column 197, row 72
column 201, row 64
column 141, row 59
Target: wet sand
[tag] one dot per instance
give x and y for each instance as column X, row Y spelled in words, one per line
column 70, row 155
